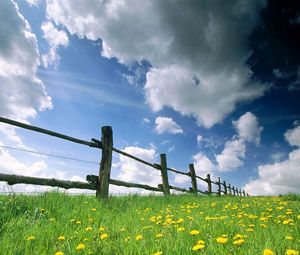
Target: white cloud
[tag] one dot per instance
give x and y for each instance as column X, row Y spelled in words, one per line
column 248, row 130
column 55, row 38
column 167, row 125
column 281, row 177
column 133, row 171
column 206, row 41
column 33, row 2
column 22, row 92
column 232, row 156
column 277, row 156
column 146, row 120
column 293, row 136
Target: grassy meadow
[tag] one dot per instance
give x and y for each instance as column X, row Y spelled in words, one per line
column 57, row 224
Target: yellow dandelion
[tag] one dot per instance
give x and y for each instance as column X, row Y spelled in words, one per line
column 159, row 235
column 180, row 229
column 238, row 241
column 291, row 252
column 194, row 232
column 80, row 247
column 101, row 228
column 158, row 253
column 87, row 229
column 289, row 238
column 138, row 237
column 298, row 217
column 250, row 230
column 59, row 253
column 94, row 209
column 103, row 236
column 42, row 210
column 238, row 236
column 201, row 242
column 61, row 238
column 268, row 252
column 122, row 229
column 198, row 247
column 222, row 240
column 30, row 238
column 78, row 222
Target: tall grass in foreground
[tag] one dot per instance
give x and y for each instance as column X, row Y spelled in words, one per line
column 59, row 224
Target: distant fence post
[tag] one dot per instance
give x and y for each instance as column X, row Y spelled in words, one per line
column 193, row 177
column 164, row 174
column 244, row 193
column 105, row 167
column 229, row 187
column 219, row 186
column 208, row 184
column 233, row 190
column 225, row 187
column 237, row 191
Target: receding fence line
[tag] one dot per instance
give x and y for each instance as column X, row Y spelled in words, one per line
column 101, row 182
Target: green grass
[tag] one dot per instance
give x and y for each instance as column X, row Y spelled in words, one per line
column 264, row 223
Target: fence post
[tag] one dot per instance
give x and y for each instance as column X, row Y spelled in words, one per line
column 164, row 174
column 240, row 192
column 244, row 193
column 237, row 191
column 219, row 186
column 233, row 189
column 208, row 184
column 105, row 167
column 225, row 187
column 229, row 187
column 193, row 177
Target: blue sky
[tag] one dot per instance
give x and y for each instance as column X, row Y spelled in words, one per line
column 213, row 85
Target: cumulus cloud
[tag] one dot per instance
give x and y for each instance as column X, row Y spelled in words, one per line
column 197, row 49
column 167, row 125
column 233, row 154
column 55, row 38
column 248, row 128
column 281, row 177
column 133, row 171
column 22, row 92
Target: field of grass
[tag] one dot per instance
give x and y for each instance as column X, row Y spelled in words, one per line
column 58, row 224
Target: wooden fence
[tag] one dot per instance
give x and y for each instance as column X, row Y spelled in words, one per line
column 101, row 182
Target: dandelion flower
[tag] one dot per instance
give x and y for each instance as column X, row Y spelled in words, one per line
column 103, row 236
column 238, row 241
column 159, row 235
column 59, row 253
column 87, row 229
column 94, row 209
column 198, row 247
column 180, row 229
column 268, row 252
column 292, row 252
column 194, row 232
column 61, row 238
column 30, row 238
column 222, row 240
column 158, row 253
column 101, row 228
column 138, row 237
column 289, row 238
column 80, row 247
column 201, row 242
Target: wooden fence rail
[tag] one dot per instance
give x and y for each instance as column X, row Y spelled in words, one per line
column 101, row 182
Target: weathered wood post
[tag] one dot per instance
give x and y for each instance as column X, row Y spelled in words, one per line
column 208, row 184
column 237, row 191
column 105, row 167
column 225, row 187
column 233, row 189
column 229, row 187
column 164, row 174
column 193, row 177
column 244, row 193
column 240, row 192
column 219, row 186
